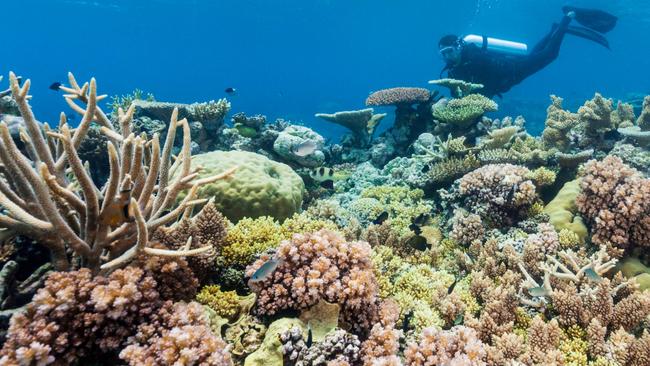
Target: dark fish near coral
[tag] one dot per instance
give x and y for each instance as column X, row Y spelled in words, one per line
column 381, row 218
column 538, row 291
column 406, row 323
column 119, row 211
column 415, row 228
column 264, row 271
column 421, row 219
column 453, row 285
column 328, row 184
column 310, row 336
column 230, row 91
column 418, row 242
column 426, row 168
column 460, row 318
column 56, row 86
column 593, row 276
column 305, row 148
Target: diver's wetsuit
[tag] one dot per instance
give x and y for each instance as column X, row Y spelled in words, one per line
column 500, row 72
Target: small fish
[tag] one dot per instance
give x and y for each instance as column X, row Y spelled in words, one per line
column 264, row 271
column 71, row 117
column 593, row 276
column 416, row 229
column 418, row 242
column 230, row 91
column 327, row 184
column 310, row 336
column 459, row 319
column 322, row 174
column 421, row 219
column 538, row 291
column 407, row 321
column 453, row 285
column 381, row 218
column 119, row 211
column 426, row 168
column 56, row 86
column 305, row 148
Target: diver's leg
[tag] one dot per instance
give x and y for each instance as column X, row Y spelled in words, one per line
column 546, row 50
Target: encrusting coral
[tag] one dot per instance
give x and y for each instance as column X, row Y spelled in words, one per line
column 40, row 204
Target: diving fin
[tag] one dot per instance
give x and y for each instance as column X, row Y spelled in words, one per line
column 589, row 34
column 595, row 19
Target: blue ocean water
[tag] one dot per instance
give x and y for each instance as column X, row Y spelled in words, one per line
column 293, row 58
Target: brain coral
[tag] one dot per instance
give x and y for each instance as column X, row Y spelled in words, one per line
column 259, row 186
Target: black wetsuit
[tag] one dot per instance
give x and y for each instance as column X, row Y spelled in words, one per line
column 499, row 72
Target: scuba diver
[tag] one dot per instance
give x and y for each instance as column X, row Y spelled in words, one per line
column 500, row 64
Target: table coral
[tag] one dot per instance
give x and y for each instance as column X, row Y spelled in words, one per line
column 362, row 123
column 320, row 265
column 465, row 111
column 396, row 96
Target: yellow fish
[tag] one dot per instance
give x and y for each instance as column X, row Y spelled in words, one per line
column 119, row 211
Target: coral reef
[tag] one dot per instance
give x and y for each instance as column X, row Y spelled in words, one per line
column 459, row 345
column 291, row 137
column 465, row 111
column 457, row 88
column 557, row 125
column 398, row 96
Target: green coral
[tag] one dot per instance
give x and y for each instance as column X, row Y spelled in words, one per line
column 450, row 169
column 563, row 212
column 224, row 303
column 542, row 177
column 557, row 125
column 258, row 186
column 403, row 204
column 574, row 346
column 250, row 237
column 464, row 112
column 124, row 101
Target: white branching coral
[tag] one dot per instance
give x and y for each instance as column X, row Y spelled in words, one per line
column 49, row 196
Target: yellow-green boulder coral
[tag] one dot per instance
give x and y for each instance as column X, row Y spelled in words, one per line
column 259, row 186
column 563, row 212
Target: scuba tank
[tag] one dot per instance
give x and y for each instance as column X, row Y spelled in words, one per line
column 497, row 45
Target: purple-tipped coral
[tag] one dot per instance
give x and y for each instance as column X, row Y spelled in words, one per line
column 322, row 265
column 397, row 96
column 615, row 201
column 500, row 193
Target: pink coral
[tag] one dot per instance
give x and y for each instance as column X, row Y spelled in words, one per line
column 382, row 345
column 500, row 193
column 319, row 266
column 396, row 96
column 179, row 334
column 615, row 201
column 457, row 346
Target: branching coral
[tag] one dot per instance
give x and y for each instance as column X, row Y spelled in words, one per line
column 178, row 334
column 558, row 124
column 597, row 115
column 501, row 193
column 615, row 201
column 40, row 203
column 457, row 346
column 316, row 266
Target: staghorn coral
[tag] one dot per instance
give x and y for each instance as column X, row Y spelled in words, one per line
column 70, row 217
column 178, row 334
column 457, row 346
column 465, row 111
column 397, row 96
column 615, row 202
column 320, row 265
column 500, row 193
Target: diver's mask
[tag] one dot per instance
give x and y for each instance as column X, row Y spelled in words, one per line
column 451, row 54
